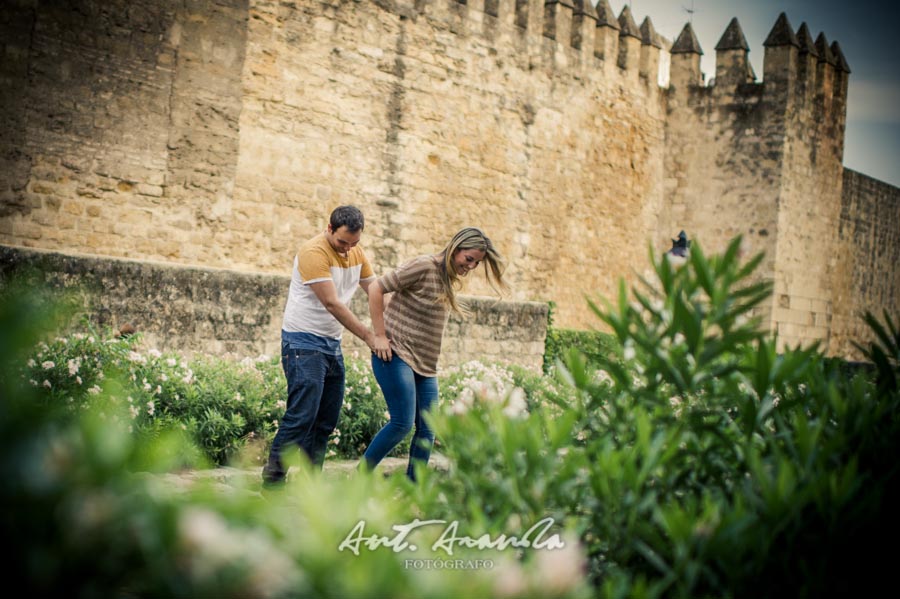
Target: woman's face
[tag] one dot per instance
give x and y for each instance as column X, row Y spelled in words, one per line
column 466, row 260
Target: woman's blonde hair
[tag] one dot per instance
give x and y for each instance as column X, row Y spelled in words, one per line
column 470, row 238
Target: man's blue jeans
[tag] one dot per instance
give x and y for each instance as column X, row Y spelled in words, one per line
column 409, row 397
column 315, row 390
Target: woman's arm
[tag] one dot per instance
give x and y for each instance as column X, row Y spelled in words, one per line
column 381, row 345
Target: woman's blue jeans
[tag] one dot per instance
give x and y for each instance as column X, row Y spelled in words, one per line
column 409, row 397
column 315, row 390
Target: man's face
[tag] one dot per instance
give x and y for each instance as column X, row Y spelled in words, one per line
column 341, row 239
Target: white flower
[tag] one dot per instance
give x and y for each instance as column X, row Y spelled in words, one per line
column 94, row 390
column 31, row 363
column 348, row 406
column 459, row 408
column 48, row 365
column 172, row 362
column 155, row 353
column 78, row 380
column 151, row 408
column 515, row 404
column 47, row 384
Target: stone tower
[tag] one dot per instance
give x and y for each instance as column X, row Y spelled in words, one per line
column 764, row 160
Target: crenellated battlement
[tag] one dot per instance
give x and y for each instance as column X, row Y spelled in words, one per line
column 798, row 73
column 578, row 28
column 617, row 44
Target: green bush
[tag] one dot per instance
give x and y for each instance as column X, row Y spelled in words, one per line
column 687, row 457
column 231, row 408
column 363, row 414
column 94, row 511
column 694, row 459
column 594, row 345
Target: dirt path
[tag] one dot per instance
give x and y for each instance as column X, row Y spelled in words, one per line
column 251, row 478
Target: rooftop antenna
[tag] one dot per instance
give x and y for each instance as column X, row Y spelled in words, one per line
column 690, row 11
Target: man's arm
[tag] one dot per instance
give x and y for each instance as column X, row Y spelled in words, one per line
column 327, row 294
column 381, row 346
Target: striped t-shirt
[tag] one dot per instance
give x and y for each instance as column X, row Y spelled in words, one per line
column 415, row 316
column 317, row 261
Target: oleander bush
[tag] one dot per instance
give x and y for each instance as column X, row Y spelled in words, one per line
column 232, row 408
column 689, row 456
column 94, row 504
column 594, row 345
column 695, row 460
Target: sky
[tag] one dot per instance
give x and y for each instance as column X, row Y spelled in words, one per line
column 867, row 31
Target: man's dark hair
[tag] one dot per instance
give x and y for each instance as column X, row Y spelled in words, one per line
column 347, row 216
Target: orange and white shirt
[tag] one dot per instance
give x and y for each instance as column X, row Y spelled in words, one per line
column 317, row 261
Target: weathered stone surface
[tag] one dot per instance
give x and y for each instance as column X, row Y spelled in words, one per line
column 221, row 134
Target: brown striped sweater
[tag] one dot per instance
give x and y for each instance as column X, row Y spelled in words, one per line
column 415, row 317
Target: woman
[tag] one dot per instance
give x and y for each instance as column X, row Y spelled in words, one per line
column 424, row 292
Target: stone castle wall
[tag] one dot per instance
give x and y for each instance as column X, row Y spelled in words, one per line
column 221, row 134
column 868, row 242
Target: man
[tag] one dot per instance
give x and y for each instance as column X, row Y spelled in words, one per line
column 327, row 269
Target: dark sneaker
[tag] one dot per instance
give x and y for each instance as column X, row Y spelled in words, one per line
column 273, row 473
